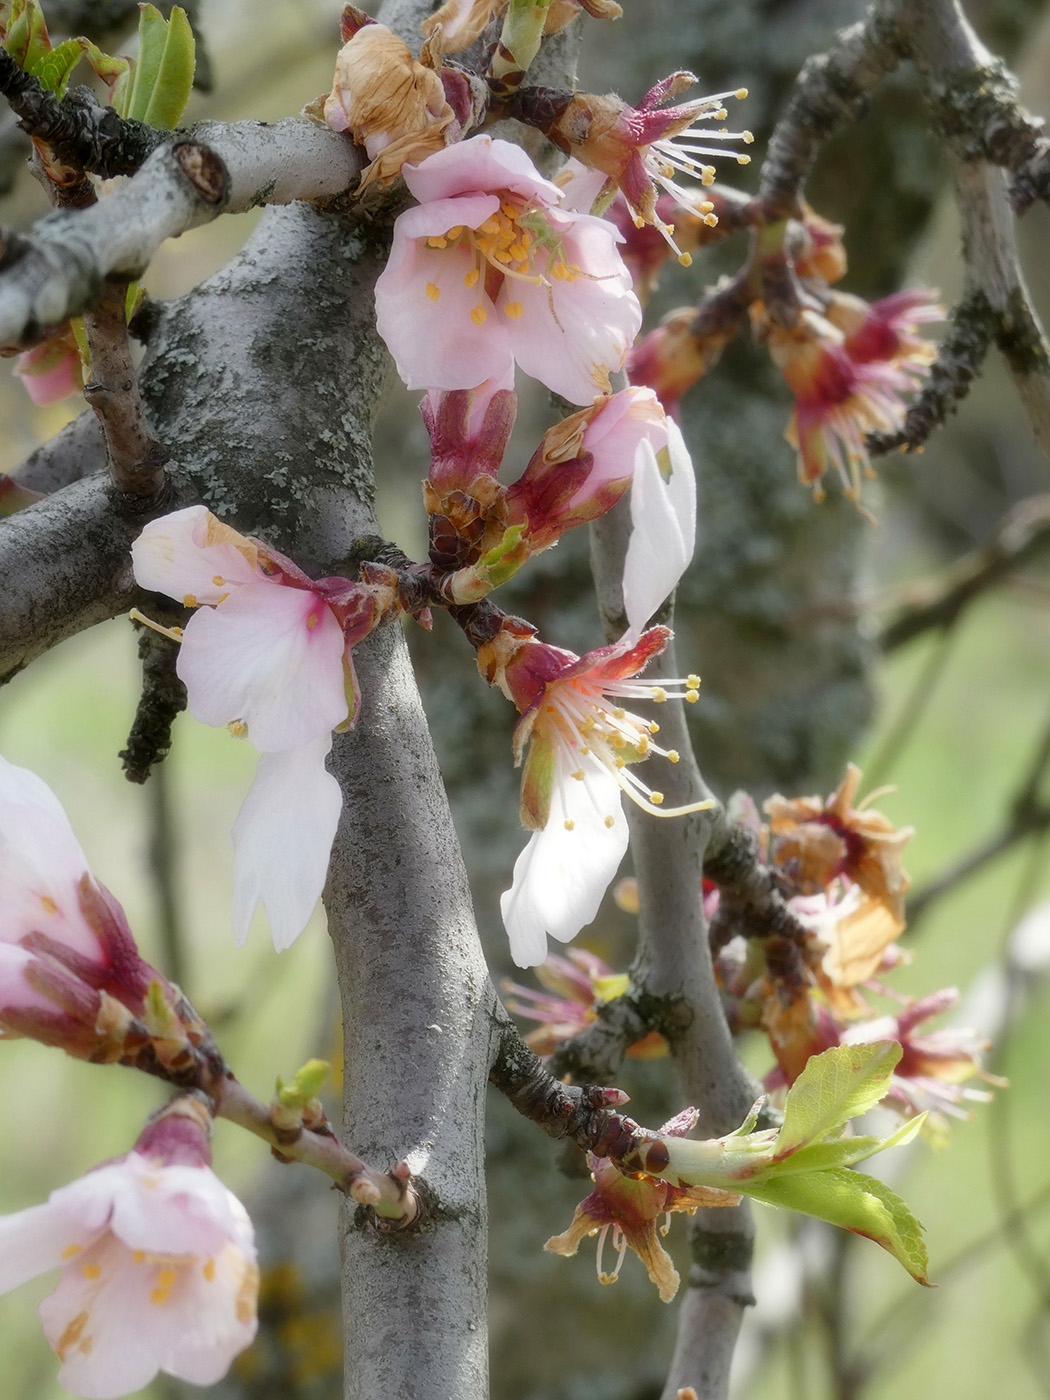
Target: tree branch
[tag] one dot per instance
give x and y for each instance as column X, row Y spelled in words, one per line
column 60, row 268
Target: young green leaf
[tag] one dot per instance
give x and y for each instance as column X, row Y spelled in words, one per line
column 833, row 1088
column 25, row 33
column 54, row 67
column 855, row 1202
column 163, row 73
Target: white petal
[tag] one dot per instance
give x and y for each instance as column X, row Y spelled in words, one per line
column 282, row 839
column 170, row 557
column 562, row 874
column 663, row 530
column 270, row 655
column 41, row 864
column 32, row 1242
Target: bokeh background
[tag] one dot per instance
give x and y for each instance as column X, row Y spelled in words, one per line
column 958, row 720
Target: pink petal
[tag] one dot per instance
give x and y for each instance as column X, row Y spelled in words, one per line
column 282, row 839
column 481, row 163
column 171, row 556
column 271, row 656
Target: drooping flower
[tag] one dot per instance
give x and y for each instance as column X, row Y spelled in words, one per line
column 268, row 653
column 52, row 370
column 819, row 840
column 70, row 972
column 573, row 988
column 388, row 102
column 488, row 271
column 851, row 371
column 157, row 1259
column 630, row 1207
column 641, row 149
column 935, row 1065
column 582, row 745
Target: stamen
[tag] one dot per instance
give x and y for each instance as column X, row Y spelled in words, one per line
column 433, row 291
column 479, row 315
column 173, row 633
column 570, row 825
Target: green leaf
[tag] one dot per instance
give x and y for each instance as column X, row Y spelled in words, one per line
column 113, row 72
column 834, row 1087
column 855, row 1202
column 54, row 68
column 163, row 74
column 26, row 36
column 842, row 1152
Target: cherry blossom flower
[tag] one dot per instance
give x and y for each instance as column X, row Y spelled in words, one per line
column 640, row 149
column 70, row 973
column 581, row 746
column 630, row 1207
column 388, row 102
column 158, row 1265
column 851, row 371
column 820, row 840
column 573, row 988
column 934, row 1067
column 268, row 653
column 488, row 271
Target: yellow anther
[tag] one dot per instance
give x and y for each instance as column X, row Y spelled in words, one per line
column 138, row 1256
column 610, row 822
column 692, row 696
column 692, row 681
column 578, row 775
column 479, row 315
column 720, row 115
column 707, row 177
column 91, row 1270
column 312, row 621
column 189, row 600
column 653, row 727
column 711, row 220
column 743, row 160
column 747, row 137
column 570, row 825
column 656, row 798
column 619, row 712
column 209, row 1270
column 85, row 1345
column 71, row 1250
column 514, row 310
column 672, row 755
column 741, row 93
column 472, row 278
column 433, row 291
column 436, row 241
column 453, row 233
column 620, row 763
column 659, row 694
column 218, row 580
column 686, row 259
column 237, row 728
column 49, row 907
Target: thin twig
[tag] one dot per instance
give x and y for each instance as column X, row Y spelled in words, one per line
column 1021, row 535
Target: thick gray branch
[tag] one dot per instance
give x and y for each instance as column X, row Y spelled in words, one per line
column 953, row 62
column 60, row 268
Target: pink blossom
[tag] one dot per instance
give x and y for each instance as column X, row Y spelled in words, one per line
column 488, row 271
column 268, row 653
column 582, row 745
column 158, row 1266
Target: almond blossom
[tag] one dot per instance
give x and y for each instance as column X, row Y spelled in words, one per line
column 630, row 1207
column 157, row 1259
column 387, row 101
column 642, row 149
column 851, row 370
column 70, row 973
column 581, row 747
column 489, row 271
column 268, row 653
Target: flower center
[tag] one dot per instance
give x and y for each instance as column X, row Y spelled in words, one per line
column 587, row 727
column 505, row 246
